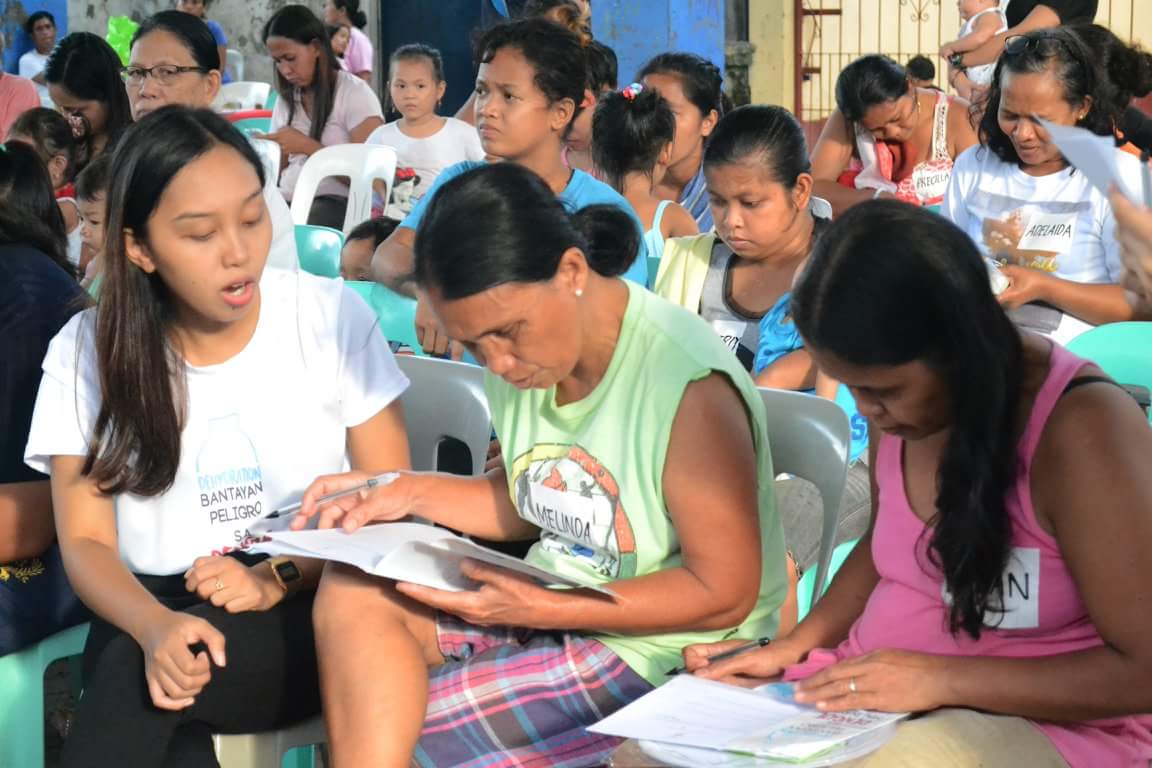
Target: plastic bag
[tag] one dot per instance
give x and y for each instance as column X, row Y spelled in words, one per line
column 120, row 31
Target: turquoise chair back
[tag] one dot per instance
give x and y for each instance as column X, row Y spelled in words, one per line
column 806, row 589
column 273, row 95
column 318, row 249
column 653, row 268
column 396, row 313
column 253, row 125
column 1122, row 350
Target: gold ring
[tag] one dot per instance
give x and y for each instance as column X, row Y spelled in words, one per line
column 852, row 684
column 219, row 585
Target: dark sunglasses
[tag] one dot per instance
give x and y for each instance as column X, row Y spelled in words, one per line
column 1045, row 45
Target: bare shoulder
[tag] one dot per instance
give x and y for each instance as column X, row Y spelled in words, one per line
column 678, row 222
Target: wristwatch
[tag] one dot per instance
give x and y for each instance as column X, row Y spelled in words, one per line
column 957, row 61
column 286, row 573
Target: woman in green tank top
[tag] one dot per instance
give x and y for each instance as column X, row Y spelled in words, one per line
column 602, row 395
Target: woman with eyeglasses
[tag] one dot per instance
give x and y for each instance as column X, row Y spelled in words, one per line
column 888, row 138
column 83, row 77
column 174, row 60
column 1026, row 208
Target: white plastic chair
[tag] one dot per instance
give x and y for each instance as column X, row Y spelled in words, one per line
column 362, row 164
column 269, row 152
column 445, row 399
column 234, row 97
column 234, row 66
column 810, row 438
column 267, row 750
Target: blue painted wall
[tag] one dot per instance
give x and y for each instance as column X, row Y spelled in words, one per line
column 13, row 13
column 640, row 29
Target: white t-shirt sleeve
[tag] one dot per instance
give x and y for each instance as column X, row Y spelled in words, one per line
column 68, row 400
column 359, row 101
column 279, row 115
column 369, row 377
column 282, row 253
column 31, row 65
column 470, row 139
column 954, row 206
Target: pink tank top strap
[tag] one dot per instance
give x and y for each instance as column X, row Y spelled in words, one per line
column 1063, row 366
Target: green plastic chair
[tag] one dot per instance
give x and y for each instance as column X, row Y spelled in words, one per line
column 318, row 249
column 254, row 125
column 1122, row 350
column 396, row 313
column 273, row 95
column 807, row 586
column 22, row 695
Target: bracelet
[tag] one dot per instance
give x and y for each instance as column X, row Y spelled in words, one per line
column 877, row 193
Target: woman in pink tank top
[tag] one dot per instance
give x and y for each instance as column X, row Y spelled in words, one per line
column 1004, row 591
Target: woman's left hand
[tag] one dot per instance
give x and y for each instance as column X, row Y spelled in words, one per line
column 1025, row 286
column 292, row 142
column 504, row 598
column 885, row 681
column 229, row 584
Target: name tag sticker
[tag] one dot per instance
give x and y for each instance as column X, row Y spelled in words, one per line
column 730, row 332
column 1050, row 232
column 1020, row 590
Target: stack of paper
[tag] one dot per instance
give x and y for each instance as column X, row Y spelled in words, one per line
column 414, row 552
column 704, row 714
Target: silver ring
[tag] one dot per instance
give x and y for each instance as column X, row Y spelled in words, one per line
column 852, row 684
column 219, row 585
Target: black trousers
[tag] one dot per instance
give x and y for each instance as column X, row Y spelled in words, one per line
column 270, row 682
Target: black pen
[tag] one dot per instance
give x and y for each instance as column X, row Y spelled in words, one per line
column 749, row 646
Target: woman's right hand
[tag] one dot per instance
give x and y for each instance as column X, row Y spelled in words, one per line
column 175, row 675
column 431, row 334
column 384, row 503
column 746, row 669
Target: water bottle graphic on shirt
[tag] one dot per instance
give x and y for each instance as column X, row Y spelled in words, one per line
column 229, row 481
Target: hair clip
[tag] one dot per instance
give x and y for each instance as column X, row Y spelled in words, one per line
column 632, row 91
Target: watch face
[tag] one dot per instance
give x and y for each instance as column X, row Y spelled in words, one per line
column 287, row 571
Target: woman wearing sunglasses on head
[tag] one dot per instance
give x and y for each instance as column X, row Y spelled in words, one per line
column 1026, row 207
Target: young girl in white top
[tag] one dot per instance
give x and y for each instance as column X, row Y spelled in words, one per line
column 201, row 393
column 320, row 105
column 424, row 141
column 632, row 134
column 983, row 20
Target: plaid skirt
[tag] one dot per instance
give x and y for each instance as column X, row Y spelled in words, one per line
column 518, row 697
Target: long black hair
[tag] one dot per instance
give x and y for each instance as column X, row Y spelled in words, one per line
column 501, row 224
column 769, row 134
column 298, row 23
column 1127, row 68
column 890, row 284
column 629, row 131
column 1074, row 66
column 868, row 82
column 554, row 52
column 29, row 214
column 701, row 80
column 87, row 67
column 135, row 445
column 190, row 30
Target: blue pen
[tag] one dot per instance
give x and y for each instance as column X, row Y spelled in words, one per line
column 749, row 646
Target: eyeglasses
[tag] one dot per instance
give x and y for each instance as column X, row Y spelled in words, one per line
column 1045, row 45
column 164, row 74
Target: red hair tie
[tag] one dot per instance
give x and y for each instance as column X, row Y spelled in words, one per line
column 632, row 91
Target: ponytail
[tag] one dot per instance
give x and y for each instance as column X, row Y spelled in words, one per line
column 630, row 129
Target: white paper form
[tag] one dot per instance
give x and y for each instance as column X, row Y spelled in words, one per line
column 1092, row 155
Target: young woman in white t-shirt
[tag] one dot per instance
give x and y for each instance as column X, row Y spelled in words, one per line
column 1026, row 207
column 201, row 393
column 424, row 141
column 320, row 105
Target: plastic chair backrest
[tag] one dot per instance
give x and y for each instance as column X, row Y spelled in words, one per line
column 361, row 163
column 241, row 95
column 234, row 65
column 396, row 313
column 269, row 152
column 273, row 95
column 1122, row 350
column 253, row 125
column 445, row 399
column 319, row 249
column 653, row 268
column 810, row 438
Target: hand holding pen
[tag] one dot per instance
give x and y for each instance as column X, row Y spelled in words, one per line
column 741, row 662
column 351, row 500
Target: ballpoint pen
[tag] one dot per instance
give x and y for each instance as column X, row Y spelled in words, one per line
column 749, row 646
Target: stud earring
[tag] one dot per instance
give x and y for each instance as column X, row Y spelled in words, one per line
column 579, row 292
